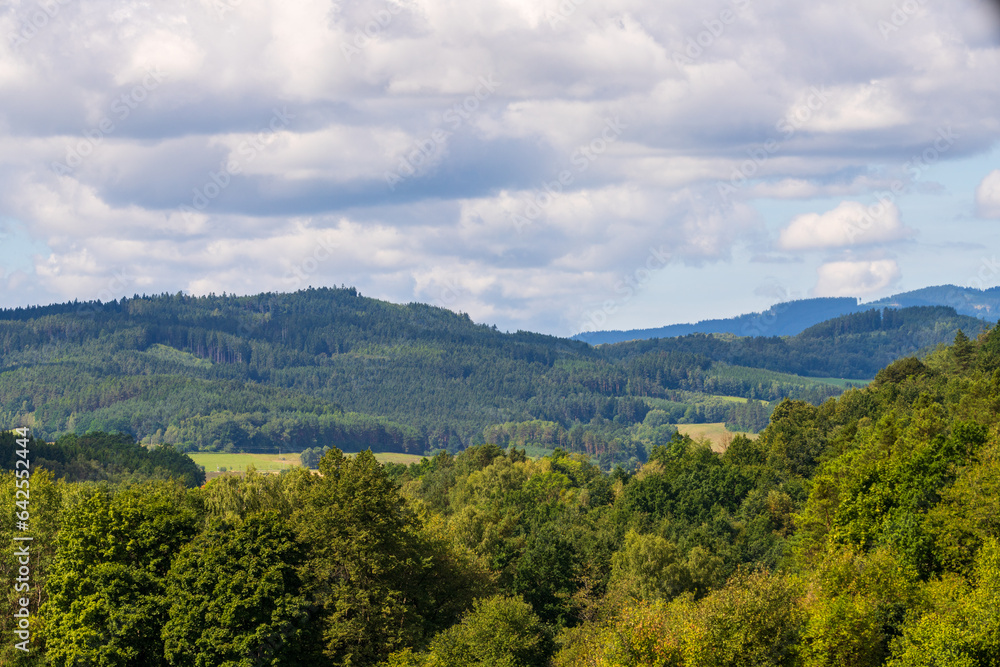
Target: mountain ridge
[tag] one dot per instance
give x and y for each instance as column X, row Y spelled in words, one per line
column 790, row 318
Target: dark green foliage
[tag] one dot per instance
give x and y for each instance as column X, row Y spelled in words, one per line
column 691, row 485
column 794, row 441
column 236, row 598
column 377, row 581
column 498, row 632
column 310, row 457
column 106, row 590
column 103, row 456
column 900, row 370
column 44, row 524
column 545, row 572
column 752, row 416
column 360, row 541
column 963, row 350
column 988, row 357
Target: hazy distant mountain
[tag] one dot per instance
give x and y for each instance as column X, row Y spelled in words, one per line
column 793, row 317
column 984, row 304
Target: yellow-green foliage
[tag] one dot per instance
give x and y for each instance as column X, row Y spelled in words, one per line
column 46, row 498
column 962, row 625
column 649, row 567
column 755, row 620
column 969, row 511
column 854, row 599
column 173, row 355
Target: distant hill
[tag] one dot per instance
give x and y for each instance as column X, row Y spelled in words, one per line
column 793, row 317
column 850, row 346
column 331, row 367
column 784, row 319
column 984, row 304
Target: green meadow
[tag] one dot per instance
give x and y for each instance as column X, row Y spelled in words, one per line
column 214, row 462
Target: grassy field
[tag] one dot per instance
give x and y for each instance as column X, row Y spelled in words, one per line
column 392, row 457
column 536, row 452
column 215, row 461
column 717, row 434
column 731, row 399
column 841, row 382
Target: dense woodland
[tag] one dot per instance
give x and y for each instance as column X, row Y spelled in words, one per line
column 863, row 531
column 328, row 367
column 103, row 457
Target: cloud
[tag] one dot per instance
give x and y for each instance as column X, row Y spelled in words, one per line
column 988, row 195
column 380, row 88
column 855, row 278
column 868, row 106
column 850, row 224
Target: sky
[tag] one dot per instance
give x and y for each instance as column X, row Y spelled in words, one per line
column 548, row 165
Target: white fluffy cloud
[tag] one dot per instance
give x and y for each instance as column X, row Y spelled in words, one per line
column 856, row 278
column 850, row 224
column 988, row 195
column 430, row 124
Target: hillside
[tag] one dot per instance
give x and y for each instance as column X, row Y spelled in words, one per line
column 784, row 319
column 102, row 457
column 793, row 317
column 850, row 346
column 966, row 300
column 331, row 367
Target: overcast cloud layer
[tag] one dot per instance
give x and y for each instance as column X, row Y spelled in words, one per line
column 547, row 165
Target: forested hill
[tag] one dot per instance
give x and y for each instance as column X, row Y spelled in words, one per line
column 966, row 300
column 784, row 319
column 850, row 346
column 793, row 317
column 330, row 367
